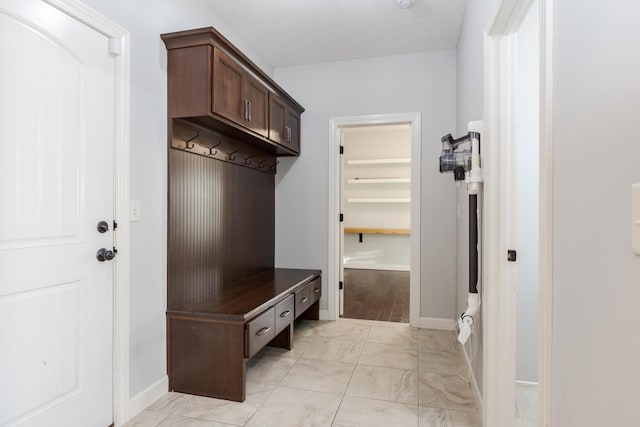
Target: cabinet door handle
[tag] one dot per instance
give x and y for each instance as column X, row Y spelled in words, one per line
column 250, row 110
column 303, row 300
column 263, row 331
column 317, row 290
column 285, row 313
column 245, row 108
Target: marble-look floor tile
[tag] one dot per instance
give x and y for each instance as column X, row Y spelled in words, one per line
column 445, row 391
column 210, row 409
column 300, row 344
column 389, row 356
column 394, row 385
column 178, row 421
column 443, row 362
column 146, row 419
column 289, row 407
column 358, row 321
column 387, row 324
column 169, row 402
column 268, row 370
column 306, row 328
column 526, row 404
column 405, row 337
column 352, row 331
column 434, row 340
column 319, row 375
column 336, row 350
column 357, row 412
column 438, row 417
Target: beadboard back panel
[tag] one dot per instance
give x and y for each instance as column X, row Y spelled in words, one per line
column 221, row 225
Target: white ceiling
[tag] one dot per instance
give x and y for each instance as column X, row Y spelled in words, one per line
column 296, row 32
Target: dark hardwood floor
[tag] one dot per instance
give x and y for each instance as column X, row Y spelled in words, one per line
column 376, row 295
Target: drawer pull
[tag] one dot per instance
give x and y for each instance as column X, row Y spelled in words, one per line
column 316, row 290
column 263, row 331
column 285, row 313
column 303, row 300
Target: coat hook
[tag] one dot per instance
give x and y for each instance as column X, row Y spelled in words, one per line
column 246, row 159
column 213, row 152
column 261, row 163
column 190, row 146
column 232, row 154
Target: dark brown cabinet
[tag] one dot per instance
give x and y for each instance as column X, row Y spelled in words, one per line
column 237, row 95
column 284, row 123
column 225, row 299
column 212, row 84
column 227, row 93
column 210, row 338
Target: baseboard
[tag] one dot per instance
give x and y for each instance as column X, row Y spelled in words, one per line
column 324, row 315
column 146, row 397
column 472, row 379
column 436, row 323
column 386, row 267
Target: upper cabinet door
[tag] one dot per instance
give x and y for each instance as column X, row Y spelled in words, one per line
column 293, row 130
column 277, row 119
column 256, row 96
column 228, row 100
column 284, row 123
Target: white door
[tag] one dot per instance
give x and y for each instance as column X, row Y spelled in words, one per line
column 56, row 183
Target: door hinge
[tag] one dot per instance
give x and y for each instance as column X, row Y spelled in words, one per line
column 341, row 285
column 115, row 224
column 512, row 255
column 341, row 217
column 342, row 149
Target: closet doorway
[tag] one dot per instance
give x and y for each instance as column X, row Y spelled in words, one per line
column 376, row 227
column 375, row 254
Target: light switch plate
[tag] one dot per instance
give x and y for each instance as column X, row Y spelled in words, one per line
column 134, row 210
column 635, row 218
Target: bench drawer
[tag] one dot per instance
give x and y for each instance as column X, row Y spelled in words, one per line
column 260, row 331
column 315, row 290
column 285, row 313
column 303, row 300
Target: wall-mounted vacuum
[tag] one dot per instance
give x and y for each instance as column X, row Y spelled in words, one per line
column 462, row 157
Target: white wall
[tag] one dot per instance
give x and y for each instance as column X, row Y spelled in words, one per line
column 596, row 278
column 385, row 251
column 377, row 252
column 146, row 20
column 526, row 134
column 470, row 106
column 422, row 83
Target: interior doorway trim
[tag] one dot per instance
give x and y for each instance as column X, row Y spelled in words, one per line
column 499, row 319
column 335, row 126
column 119, row 46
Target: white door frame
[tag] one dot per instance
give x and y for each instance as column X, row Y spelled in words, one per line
column 119, row 48
column 499, row 296
column 335, row 125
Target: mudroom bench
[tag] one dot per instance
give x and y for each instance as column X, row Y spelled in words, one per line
column 211, row 338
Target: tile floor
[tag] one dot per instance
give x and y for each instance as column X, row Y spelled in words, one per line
column 526, row 404
column 347, row 373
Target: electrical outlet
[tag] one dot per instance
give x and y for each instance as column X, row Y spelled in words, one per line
column 134, row 211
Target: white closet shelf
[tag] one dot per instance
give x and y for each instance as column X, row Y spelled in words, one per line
column 379, row 200
column 377, row 180
column 380, row 162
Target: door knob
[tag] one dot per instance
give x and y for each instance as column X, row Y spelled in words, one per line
column 105, row 255
column 103, row 226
